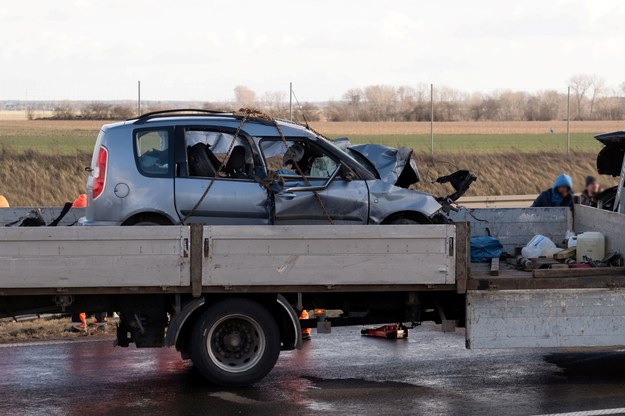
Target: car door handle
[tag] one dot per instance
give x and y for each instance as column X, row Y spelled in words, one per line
column 288, row 195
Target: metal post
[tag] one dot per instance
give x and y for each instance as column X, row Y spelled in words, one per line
column 432, row 119
column 291, row 101
column 138, row 98
column 568, row 120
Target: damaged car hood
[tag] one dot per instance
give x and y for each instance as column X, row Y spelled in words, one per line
column 395, row 166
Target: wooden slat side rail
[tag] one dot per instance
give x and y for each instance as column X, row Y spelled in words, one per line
column 494, row 266
column 598, row 271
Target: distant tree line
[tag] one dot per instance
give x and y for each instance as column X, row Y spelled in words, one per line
column 67, row 110
column 591, row 99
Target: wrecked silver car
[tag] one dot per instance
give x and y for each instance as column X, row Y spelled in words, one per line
column 175, row 167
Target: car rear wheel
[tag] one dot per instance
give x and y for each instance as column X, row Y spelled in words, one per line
column 235, row 342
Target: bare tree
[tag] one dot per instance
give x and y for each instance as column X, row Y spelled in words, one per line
column 580, row 84
column 121, row 111
column 274, row 103
column 597, row 87
column 381, row 101
column 64, row 111
column 353, row 98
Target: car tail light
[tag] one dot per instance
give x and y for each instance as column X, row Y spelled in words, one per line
column 99, row 173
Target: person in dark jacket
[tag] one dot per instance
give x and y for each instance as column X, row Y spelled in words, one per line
column 589, row 195
column 559, row 195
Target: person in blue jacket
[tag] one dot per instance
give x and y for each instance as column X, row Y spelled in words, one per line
column 559, row 195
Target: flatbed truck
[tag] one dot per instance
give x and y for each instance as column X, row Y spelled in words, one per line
column 228, row 297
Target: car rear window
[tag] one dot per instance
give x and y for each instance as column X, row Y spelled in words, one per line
column 152, row 152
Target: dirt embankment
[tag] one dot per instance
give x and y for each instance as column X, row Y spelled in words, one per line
column 510, row 173
column 38, row 179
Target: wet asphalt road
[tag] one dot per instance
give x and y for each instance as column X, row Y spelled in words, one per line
column 428, row 374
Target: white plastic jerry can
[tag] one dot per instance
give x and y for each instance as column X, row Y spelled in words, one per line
column 590, row 246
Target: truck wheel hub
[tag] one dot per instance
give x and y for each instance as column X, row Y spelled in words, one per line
column 235, row 343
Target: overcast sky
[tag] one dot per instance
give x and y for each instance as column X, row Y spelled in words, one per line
column 200, row 50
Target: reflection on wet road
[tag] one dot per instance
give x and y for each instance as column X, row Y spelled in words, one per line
column 430, row 373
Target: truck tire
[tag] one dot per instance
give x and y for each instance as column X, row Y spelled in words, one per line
column 235, row 342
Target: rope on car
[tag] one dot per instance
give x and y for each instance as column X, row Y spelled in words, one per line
column 246, row 114
column 301, row 173
column 220, row 170
column 258, row 114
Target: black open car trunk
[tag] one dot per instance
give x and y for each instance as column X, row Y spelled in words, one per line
column 610, row 158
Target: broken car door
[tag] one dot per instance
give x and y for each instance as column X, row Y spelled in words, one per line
column 316, row 188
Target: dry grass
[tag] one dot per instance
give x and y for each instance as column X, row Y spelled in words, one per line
column 463, row 127
column 23, row 114
column 510, row 173
column 67, row 126
column 46, row 328
column 42, row 161
column 35, row 179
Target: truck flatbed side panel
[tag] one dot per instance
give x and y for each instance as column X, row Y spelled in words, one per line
column 545, row 318
column 514, row 227
column 73, row 257
column 611, row 224
column 329, row 255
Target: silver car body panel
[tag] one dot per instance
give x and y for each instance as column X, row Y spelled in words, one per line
column 387, row 199
column 346, row 202
column 223, row 203
column 127, row 192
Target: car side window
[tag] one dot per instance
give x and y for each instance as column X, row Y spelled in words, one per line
column 152, row 152
column 211, row 153
column 297, row 158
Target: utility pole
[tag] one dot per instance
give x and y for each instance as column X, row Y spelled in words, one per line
column 432, row 120
column 138, row 98
column 568, row 120
column 291, row 101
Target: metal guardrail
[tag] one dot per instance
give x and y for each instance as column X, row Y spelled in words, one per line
column 8, row 215
column 49, row 213
column 499, row 201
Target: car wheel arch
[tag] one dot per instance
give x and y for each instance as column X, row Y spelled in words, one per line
column 148, row 217
column 409, row 215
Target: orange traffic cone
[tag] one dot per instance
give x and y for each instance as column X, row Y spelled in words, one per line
column 306, row 332
column 79, row 322
column 80, row 201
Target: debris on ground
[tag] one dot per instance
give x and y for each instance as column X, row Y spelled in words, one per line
column 393, row 331
column 48, row 327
